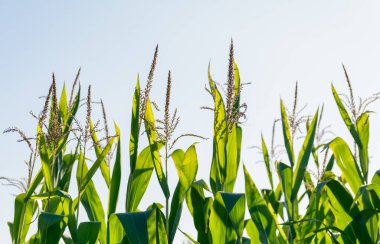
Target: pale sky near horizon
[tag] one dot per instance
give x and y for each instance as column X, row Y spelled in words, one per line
column 276, row 44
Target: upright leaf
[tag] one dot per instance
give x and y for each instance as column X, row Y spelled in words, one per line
column 115, row 180
column 362, row 126
column 303, row 157
column 287, row 135
column 152, row 138
column 233, row 157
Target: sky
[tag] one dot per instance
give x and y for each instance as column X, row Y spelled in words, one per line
column 276, row 44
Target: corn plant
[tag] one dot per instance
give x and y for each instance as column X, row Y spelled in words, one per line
column 341, row 199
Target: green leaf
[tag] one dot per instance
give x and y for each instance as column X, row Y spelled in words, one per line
column 35, row 183
column 266, row 161
column 88, row 232
column 233, row 156
column 116, row 233
column 135, row 226
column 115, row 180
column 91, row 201
column 45, row 159
column 144, row 227
column 252, row 230
column 346, row 212
column 287, row 135
column 219, row 158
column 303, row 157
column 156, row 225
column 63, row 107
column 227, row 217
column 376, row 178
column 187, row 167
column 69, row 211
column 50, row 227
column 23, row 213
column 65, row 170
column 188, row 237
column 362, row 127
column 98, row 151
column 264, row 220
column 285, row 174
column 135, row 126
column 345, row 116
column 87, row 177
column 139, row 179
column 347, row 163
column 152, row 138
column 196, row 203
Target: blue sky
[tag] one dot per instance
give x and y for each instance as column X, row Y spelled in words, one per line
column 276, row 44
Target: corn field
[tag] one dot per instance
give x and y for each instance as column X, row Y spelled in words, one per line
column 70, row 146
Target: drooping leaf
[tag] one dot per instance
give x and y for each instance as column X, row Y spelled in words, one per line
column 345, row 116
column 50, row 227
column 187, row 167
column 347, row 163
column 88, row 232
column 139, row 179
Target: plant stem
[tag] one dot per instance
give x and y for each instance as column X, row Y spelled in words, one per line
column 80, row 182
column 167, row 183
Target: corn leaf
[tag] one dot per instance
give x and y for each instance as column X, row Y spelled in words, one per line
column 227, row 217
column 116, row 177
column 116, row 233
column 264, row 220
column 345, row 116
column 23, row 213
column 50, row 227
column 135, row 130
column 139, row 179
column 266, row 161
column 152, row 138
column 91, row 201
column 88, row 176
column 98, row 151
column 45, row 159
column 362, row 127
column 187, row 167
column 233, row 156
column 218, row 166
column 303, row 157
column 287, row 135
column 347, row 163
column 88, row 232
